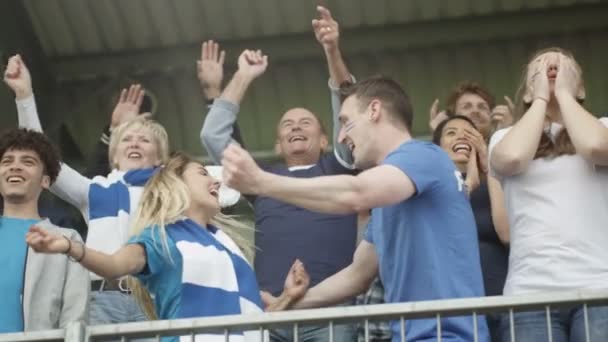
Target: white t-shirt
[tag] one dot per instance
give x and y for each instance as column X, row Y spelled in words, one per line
column 558, row 217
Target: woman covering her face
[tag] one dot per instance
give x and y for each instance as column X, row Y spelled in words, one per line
column 552, row 165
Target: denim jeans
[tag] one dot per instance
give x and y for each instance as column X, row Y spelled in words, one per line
column 342, row 333
column 567, row 325
column 110, row 307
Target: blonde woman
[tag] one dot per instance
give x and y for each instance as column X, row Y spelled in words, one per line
column 136, row 147
column 185, row 253
column 552, row 166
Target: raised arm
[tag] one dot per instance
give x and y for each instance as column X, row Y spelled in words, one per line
column 517, row 148
column 589, row 136
column 130, row 259
column 210, row 70
column 18, row 78
column 70, row 185
column 377, row 187
column 127, row 108
column 218, row 127
column 327, row 33
column 499, row 211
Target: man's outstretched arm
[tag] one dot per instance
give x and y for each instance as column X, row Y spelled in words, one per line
column 377, row 187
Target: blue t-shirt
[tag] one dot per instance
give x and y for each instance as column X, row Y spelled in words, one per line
column 13, row 251
column 200, row 273
column 325, row 243
column 427, row 245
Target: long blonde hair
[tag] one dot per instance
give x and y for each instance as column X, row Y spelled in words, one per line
column 547, row 147
column 165, row 199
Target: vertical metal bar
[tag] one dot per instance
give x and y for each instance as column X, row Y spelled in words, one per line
column 402, row 328
column 262, row 334
column 548, row 316
column 157, row 337
column 331, row 331
column 123, row 338
column 438, row 327
column 586, row 318
column 512, row 325
column 226, row 335
column 192, row 336
column 295, row 332
column 75, row 332
column 366, row 326
column 475, row 337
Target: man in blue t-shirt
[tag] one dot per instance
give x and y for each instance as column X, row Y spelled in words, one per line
column 421, row 238
column 33, row 297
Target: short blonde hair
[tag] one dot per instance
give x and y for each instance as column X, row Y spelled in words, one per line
column 159, row 134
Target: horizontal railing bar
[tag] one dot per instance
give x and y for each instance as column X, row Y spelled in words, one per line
column 425, row 309
column 34, row 336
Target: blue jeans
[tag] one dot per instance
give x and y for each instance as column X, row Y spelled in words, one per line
column 567, row 325
column 342, row 333
column 110, row 307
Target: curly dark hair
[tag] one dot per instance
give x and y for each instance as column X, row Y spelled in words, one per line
column 28, row 140
column 468, row 87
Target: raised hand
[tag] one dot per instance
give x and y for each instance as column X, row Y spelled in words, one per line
column 43, row 241
column 502, row 115
column 18, row 78
column 210, row 69
column 327, row 30
column 127, row 107
column 538, row 87
column 472, row 181
column 436, row 117
column 567, row 80
column 479, row 145
column 252, row 63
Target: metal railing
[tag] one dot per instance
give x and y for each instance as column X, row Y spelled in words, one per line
column 401, row 312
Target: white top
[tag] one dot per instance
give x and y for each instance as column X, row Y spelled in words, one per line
column 558, row 217
column 227, row 196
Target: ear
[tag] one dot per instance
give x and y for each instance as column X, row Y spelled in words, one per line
column 46, row 182
column 375, row 110
column 277, row 148
column 324, row 143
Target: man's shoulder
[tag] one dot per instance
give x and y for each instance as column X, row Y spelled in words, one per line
column 69, row 232
column 417, row 151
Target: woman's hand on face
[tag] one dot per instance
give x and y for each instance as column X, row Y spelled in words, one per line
column 473, row 180
column 566, row 82
column 540, row 81
column 479, row 145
